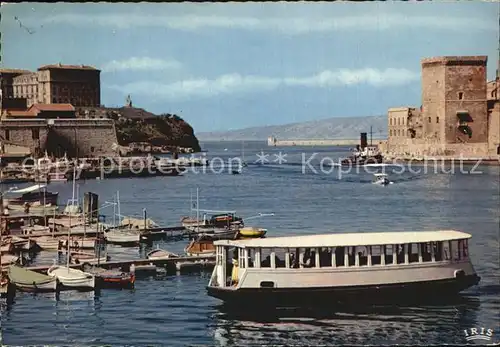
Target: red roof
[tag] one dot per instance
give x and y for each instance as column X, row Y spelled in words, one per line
column 67, row 67
column 52, row 107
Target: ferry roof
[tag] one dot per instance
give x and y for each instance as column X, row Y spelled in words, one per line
column 347, row 239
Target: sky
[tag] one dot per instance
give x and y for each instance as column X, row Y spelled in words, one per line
column 224, row 66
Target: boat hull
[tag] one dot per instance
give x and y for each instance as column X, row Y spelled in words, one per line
column 73, row 279
column 43, row 287
column 410, row 292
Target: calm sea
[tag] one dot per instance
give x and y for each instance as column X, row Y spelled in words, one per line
column 175, row 310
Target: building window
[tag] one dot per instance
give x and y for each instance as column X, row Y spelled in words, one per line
column 429, row 119
column 437, row 119
column 53, row 100
column 35, row 134
column 460, row 95
column 92, row 149
column 7, row 134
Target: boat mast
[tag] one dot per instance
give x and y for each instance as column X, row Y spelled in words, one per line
column 118, row 202
column 371, row 136
column 69, row 228
column 114, row 210
column 191, row 204
column 197, row 210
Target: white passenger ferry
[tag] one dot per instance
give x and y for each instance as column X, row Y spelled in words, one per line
column 381, row 267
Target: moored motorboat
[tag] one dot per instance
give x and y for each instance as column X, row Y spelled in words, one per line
column 27, row 280
column 381, row 179
column 72, row 278
column 111, row 278
column 122, row 237
column 200, row 247
column 161, row 254
column 48, row 242
column 76, row 242
column 84, row 257
column 343, row 268
column 35, row 194
column 38, row 229
column 251, row 232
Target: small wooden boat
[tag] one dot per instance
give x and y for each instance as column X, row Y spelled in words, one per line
column 252, row 232
column 8, row 259
column 112, row 278
column 27, row 230
column 48, row 242
column 72, row 278
column 21, row 244
column 381, row 179
column 123, row 237
column 31, row 281
column 80, row 243
column 33, row 194
column 200, row 247
column 161, row 254
column 84, row 257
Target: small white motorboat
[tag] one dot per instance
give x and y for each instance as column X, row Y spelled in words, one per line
column 381, row 179
column 72, row 278
column 161, row 254
column 35, row 229
column 122, row 237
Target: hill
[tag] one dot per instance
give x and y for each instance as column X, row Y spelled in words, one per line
column 331, row 128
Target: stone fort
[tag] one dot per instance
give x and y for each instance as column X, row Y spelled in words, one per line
column 459, row 115
column 74, row 137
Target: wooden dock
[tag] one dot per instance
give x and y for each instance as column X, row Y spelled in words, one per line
column 125, row 264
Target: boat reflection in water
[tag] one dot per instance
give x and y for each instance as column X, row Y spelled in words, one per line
column 435, row 322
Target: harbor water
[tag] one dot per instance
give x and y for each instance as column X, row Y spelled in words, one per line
column 176, row 311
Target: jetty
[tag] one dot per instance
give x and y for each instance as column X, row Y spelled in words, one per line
column 204, row 262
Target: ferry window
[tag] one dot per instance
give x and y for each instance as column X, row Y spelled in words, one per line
column 376, row 254
column 241, row 258
column 438, row 250
column 325, row 257
column 279, row 256
column 425, row 250
column 413, row 252
column 362, row 253
column 250, row 257
column 465, row 249
column 400, row 254
column 339, row 256
column 265, row 257
column 457, row 250
column 388, row 254
column 308, row 258
column 294, row 258
column 351, row 261
column 446, row 250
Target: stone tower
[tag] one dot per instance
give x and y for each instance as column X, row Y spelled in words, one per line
column 454, row 100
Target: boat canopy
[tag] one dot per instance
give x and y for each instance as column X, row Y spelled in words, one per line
column 347, row 239
column 28, row 189
column 213, row 211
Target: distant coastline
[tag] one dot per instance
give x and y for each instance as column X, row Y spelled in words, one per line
column 324, row 129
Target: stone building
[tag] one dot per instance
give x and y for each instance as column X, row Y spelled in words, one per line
column 455, row 117
column 75, row 137
column 78, row 85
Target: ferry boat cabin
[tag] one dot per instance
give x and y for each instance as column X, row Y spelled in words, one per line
column 342, row 268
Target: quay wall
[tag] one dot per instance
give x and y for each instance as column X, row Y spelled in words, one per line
column 76, row 137
column 284, row 143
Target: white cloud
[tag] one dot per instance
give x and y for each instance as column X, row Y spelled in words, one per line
column 288, row 25
column 141, row 64
column 235, row 83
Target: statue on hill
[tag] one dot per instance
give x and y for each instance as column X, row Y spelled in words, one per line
column 128, row 102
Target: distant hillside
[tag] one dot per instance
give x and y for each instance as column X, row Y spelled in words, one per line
column 331, row 128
